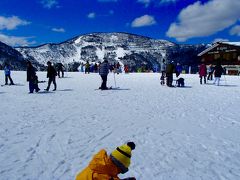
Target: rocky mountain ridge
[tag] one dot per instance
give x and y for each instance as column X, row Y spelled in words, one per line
column 11, row 56
column 130, row 49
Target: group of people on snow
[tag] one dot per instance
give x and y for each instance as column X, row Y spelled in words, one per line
column 89, row 68
column 94, row 67
column 167, row 70
column 206, row 73
column 32, row 78
column 103, row 68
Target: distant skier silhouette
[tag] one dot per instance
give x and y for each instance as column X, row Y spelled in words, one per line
column 60, row 67
column 87, row 67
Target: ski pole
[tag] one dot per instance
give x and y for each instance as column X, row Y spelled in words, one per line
column 66, row 71
column 225, row 80
column 114, row 79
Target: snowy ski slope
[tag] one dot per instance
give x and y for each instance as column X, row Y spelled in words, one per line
column 190, row 133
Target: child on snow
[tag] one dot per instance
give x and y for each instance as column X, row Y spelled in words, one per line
column 104, row 167
column 180, row 82
column 162, row 79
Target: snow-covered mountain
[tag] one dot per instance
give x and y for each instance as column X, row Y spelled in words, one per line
column 130, row 49
column 12, row 56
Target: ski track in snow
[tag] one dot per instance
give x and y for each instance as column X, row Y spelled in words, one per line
column 187, row 133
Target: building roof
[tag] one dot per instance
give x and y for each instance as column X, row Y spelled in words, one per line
column 208, row 49
column 216, row 44
column 232, row 43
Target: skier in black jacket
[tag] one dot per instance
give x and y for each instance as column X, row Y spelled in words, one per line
column 218, row 71
column 103, row 72
column 169, row 73
column 51, row 74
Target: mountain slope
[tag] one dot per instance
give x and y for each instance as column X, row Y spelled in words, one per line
column 12, row 56
column 130, row 49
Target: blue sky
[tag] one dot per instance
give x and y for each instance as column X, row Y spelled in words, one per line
column 34, row 22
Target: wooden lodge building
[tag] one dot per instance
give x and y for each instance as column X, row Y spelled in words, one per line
column 227, row 52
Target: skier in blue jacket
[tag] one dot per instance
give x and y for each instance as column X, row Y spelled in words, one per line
column 178, row 69
column 7, row 71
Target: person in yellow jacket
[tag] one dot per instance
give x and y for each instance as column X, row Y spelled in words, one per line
column 104, row 167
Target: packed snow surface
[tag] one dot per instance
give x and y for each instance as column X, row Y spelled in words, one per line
column 190, row 133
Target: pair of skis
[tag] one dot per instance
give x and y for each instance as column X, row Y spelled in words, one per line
column 110, row 88
column 9, row 85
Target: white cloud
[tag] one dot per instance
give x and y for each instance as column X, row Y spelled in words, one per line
column 61, row 30
column 91, row 15
column 145, row 20
column 16, row 41
column 220, row 40
column 49, row 3
column 11, row 23
column 201, row 20
column 235, row 30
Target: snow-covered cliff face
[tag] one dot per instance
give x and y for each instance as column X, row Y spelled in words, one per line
column 10, row 55
column 129, row 49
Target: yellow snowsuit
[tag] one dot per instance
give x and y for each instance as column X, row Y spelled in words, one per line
column 100, row 168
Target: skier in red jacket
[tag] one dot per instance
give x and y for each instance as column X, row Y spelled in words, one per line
column 203, row 72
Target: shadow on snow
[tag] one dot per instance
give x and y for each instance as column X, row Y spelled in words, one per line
column 65, row 90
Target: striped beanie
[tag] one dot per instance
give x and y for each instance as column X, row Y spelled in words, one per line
column 121, row 156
